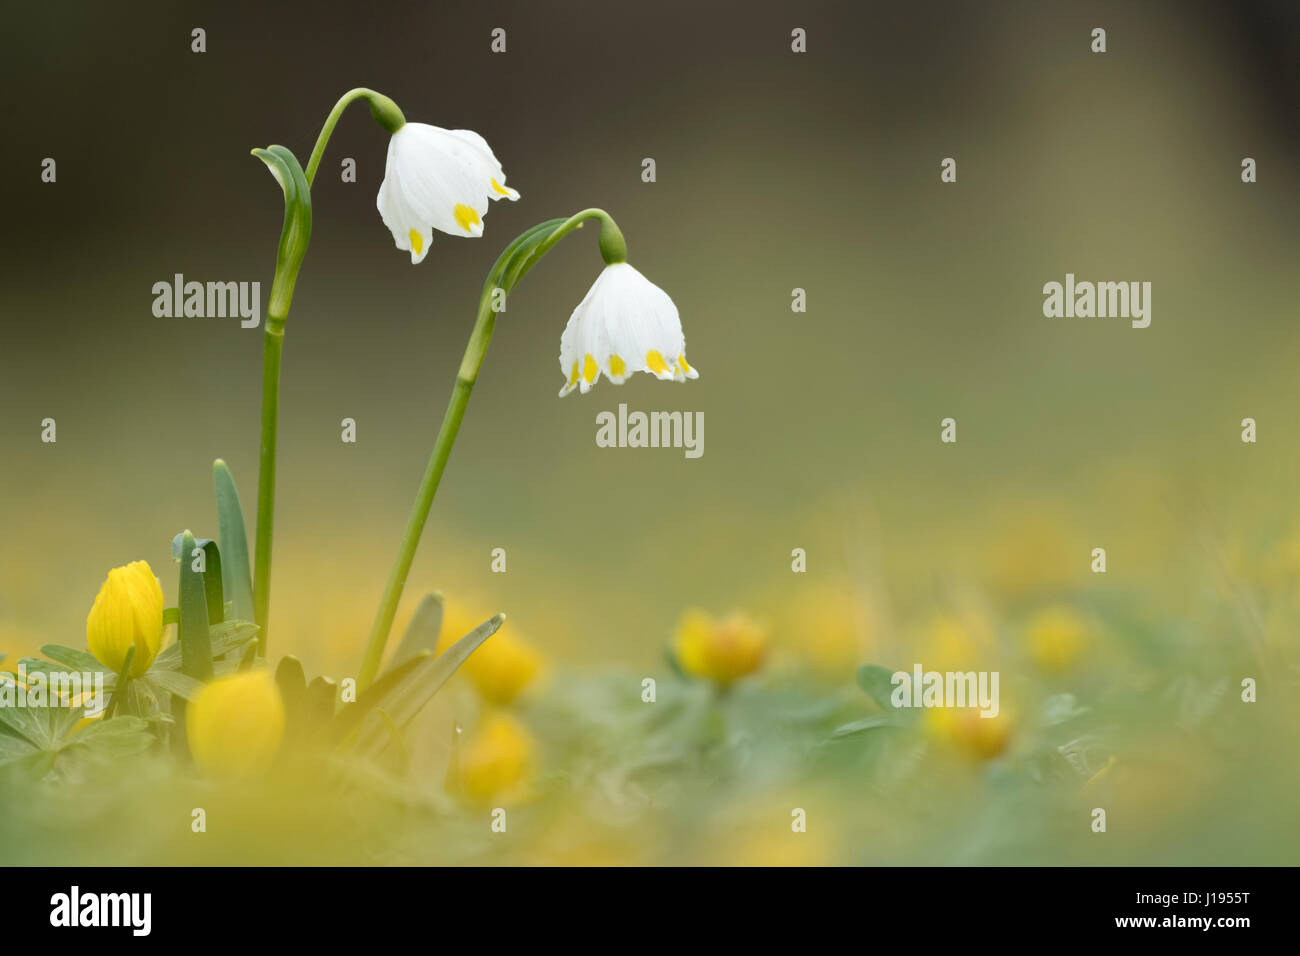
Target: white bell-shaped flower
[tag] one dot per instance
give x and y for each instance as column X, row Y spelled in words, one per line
column 624, row 324
column 438, row 179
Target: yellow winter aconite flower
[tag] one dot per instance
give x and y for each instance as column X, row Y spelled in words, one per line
column 965, row 730
column 952, row 642
column 235, row 724
column 128, row 612
column 1056, row 637
column 502, row 666
column 497, row 761
column 720, row 650
column 827, row 631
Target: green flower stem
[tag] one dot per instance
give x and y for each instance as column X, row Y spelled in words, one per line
column 475, row 352
column 272, row 346
column 294, row 239
column 383, row 109
column 519, row 256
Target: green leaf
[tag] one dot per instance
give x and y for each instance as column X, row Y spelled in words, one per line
column 30, row 723
column 196, row 646
column 526, row 256
column 504, row 272
column 115, row 737
column 322, row 693
column 73, row 659
column 296, row 231
column 861, row 726
column 223, row 638
column 407, row 698
column 212, row 586
column 878, row 682
column 422, row 633
column 171, row 615
column 174, row 683
column 292, row 681
column 231, row 531
column 15, row 748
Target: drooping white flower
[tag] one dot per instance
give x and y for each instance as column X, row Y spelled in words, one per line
column 624, row 324
column 438, row 179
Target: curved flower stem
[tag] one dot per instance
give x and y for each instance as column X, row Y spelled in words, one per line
column 517, row 258
column 383, row 109
column 293, row 246
column 294, row 239
column 475, row 352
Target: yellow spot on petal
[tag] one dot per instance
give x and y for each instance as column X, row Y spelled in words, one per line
column 589, row 369
column 466, row 217
column 573, row 376
column 498, row 189
column 417, row 242
column 655, row 362
column 681, row 364
column 616, row 366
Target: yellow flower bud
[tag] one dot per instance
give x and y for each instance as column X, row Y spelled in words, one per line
column 497, row 761
column 235, row 724
column 502, row 666
column 128, row 611
column 721, row 651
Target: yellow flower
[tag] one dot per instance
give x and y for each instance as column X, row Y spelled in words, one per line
column 965, row 730
column 1056, row 637
column 826, row 632
column 721, row 651
column 128, row 611
column 235, row 724
column 497, row 761
column 502, row 666
column 954, row 643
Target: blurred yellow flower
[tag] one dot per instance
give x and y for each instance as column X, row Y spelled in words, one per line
column 966, row 731
column 128, row 611
column 496, row 763
column 1056, row 637
column 719, row 650
column 825, row 630
column 953, row 643
column 1034, row 555
column 235, row 724
column 502, row 666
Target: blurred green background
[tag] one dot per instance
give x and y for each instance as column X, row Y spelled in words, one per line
column 775, row 171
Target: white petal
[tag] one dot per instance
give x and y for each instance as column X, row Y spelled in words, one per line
column 437, row 179
column 624, row 324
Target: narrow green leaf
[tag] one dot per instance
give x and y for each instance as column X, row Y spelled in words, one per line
column 861, row 726
column 174, row 683
column 422, row 633
column 292, row 681
column 322, row 695
column 223, row 638
column 877, row 681
column 496, row 276
column 171, row 615
column 212, row 585
column 407, row 698
column 524, row 258
column 196, row 648
column 231, row 531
